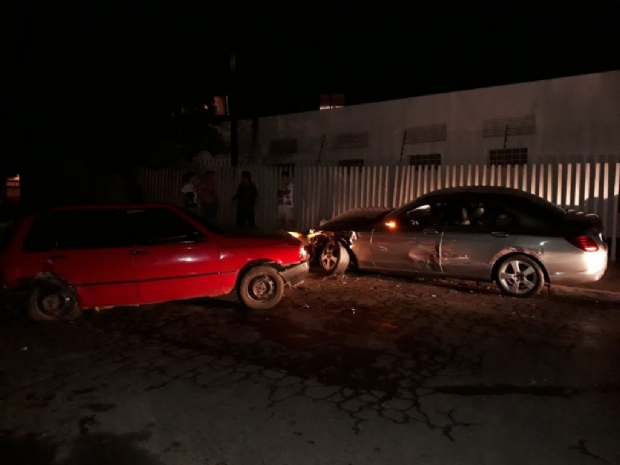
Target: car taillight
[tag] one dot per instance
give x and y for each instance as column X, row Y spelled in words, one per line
column 585, row 243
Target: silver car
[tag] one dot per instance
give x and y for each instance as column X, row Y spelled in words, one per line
column 516, row 239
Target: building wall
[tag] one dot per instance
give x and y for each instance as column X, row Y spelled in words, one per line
column 576, row 119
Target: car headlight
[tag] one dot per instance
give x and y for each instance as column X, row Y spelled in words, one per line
column 303, row 254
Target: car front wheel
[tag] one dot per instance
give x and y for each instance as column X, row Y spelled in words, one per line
column 261, row 288
column 333, row 258
column 520, row 276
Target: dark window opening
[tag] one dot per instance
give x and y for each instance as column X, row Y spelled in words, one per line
column 426, row 134
column 431, row 159
column 505, row 157
column 358, row 140
column 329, row 101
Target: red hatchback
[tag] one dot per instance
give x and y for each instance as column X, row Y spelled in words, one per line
column 72, row 258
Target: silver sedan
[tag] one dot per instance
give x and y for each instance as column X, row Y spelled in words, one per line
column 516, row 239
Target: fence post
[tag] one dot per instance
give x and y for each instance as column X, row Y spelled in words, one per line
column 614, row 225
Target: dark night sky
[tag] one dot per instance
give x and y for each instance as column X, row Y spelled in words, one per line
column 73, row 69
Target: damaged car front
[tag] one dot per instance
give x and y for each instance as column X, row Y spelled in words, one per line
column 344, row 240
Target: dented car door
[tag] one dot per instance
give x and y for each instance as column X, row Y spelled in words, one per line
column 476, row 233
column 409, row 243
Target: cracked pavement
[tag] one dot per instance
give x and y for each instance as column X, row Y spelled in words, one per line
column 354, row 370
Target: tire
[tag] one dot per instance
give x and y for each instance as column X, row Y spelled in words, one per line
column 51, row 299
column 261, row 288
column 519, row 276
column 333, row 258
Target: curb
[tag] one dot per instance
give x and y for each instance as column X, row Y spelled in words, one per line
column 590, row 294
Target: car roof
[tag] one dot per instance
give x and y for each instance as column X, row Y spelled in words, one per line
column 112, row 206
column 480, row 190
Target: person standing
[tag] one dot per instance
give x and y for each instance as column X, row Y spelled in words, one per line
column 247, row 200
column 208, row 196
column 285, row 203
column 190, row 195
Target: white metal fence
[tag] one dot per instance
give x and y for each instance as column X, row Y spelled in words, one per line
column 321, row 192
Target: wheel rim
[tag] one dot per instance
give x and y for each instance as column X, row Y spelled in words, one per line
column 518, row 277
column 262, row 288
column 53, row 301
column 329, row 257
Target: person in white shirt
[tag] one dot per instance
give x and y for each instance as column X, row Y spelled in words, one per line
column 285, row 203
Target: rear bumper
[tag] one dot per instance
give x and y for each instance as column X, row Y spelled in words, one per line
column 295, row 274
column 591, row 267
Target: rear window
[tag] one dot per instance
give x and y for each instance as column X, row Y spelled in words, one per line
column 546, row 204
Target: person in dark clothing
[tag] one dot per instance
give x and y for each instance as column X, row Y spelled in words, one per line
column 190, row 195
column 208, row 196
column 247, row 200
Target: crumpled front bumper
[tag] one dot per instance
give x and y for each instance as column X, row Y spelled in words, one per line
column 295, row 274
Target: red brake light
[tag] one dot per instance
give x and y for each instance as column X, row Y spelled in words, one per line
column 585, row 243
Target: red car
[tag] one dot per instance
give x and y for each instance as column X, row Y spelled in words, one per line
column 72, row 258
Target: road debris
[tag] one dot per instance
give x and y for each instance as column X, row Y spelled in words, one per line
column 388, row 326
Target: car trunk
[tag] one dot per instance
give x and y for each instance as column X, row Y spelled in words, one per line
column 579, row 223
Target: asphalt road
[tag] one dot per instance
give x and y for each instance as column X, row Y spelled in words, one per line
column 356, row 370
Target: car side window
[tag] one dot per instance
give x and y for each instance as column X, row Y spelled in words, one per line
column 479, row 215
column 426, row 215
column 79, row 229
column 154, row 226
column 42, row 235
column 92, row 229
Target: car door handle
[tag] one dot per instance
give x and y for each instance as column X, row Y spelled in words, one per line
column 139, row 252
column 499, row 234
column 58, row 257
column 430, row 231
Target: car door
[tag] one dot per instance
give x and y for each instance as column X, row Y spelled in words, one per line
column 89, row 248
column 175, row 259
column 476, row 231
column 409, row 242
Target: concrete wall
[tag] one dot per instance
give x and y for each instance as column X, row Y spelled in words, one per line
column 577, row 119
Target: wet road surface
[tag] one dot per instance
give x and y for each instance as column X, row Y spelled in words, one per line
column 354, row 370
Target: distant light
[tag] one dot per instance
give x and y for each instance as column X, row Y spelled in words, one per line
column 329, row 101
column 296, row 235
column 391, row 224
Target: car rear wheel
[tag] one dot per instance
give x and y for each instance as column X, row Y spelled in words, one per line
column 261, row 288
column 520, row 276
column 334, row 258
column 52, row 299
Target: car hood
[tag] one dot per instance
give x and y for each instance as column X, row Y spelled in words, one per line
column 357, row 219
column 261, row 235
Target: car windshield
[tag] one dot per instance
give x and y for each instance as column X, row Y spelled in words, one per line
column 206, row 223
